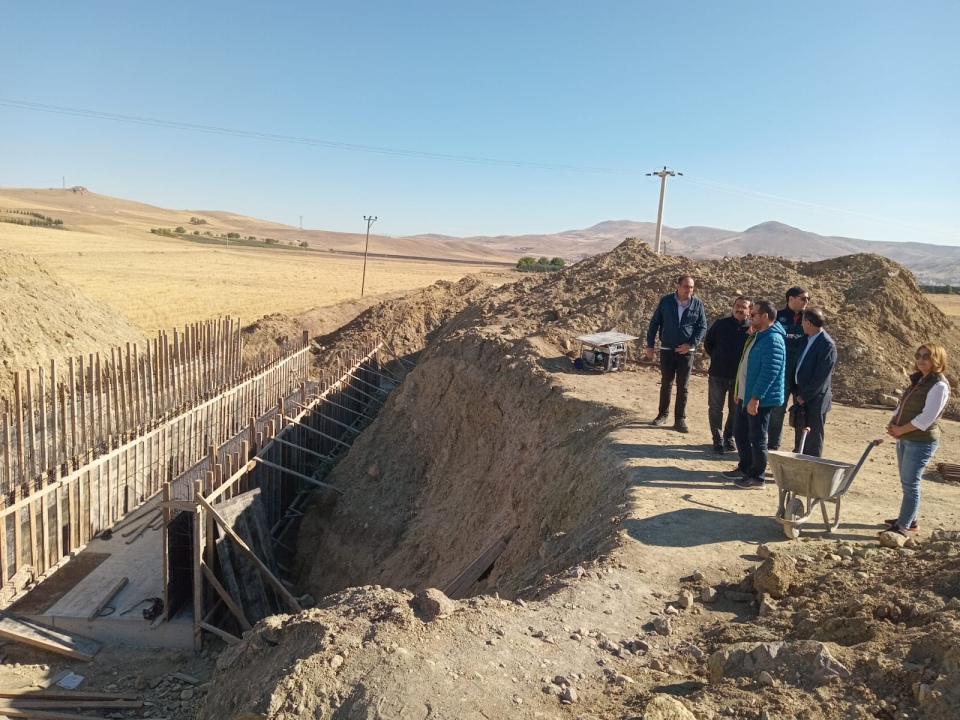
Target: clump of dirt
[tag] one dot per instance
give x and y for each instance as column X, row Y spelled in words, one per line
column 31, row 334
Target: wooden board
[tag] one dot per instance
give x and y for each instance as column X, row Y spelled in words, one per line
column 458, row 589
column 45, row 637
column 246, row 515
column 48, row 593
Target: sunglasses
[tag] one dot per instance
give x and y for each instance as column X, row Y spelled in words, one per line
column 922, row 356
column 803, row 298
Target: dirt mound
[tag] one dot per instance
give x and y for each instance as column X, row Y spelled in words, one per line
column 46, row 317
column 487, row 436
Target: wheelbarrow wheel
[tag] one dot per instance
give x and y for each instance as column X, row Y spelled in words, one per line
column 792, row 513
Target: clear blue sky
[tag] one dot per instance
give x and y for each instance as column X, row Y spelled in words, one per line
column 849, row 111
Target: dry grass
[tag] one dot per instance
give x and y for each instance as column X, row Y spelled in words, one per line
column 949, row 304
column 160, row 283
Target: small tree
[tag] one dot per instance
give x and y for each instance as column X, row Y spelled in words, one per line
column 196, row 232
column 180, row 229
column 558, row 262
column 543, row 261
column 525, row 261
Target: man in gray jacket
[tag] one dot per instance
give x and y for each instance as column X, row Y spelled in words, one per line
column 681, row 323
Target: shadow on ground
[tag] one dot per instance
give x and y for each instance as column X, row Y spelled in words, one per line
column 691, row 527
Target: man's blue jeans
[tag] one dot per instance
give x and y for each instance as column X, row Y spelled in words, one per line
column 751, row 434
column 912, row 459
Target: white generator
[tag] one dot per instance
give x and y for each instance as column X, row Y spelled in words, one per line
column 603, row 351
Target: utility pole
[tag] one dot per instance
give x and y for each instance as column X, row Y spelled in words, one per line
column 371, row 219
column 301, row 222
column 663, row 175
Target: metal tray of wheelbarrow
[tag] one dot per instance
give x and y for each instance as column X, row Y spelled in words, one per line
column 806, row 482
column 811, row 476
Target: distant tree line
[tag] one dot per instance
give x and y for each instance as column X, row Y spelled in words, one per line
column 36, row 219
column 941, row 289
column 181, row 232
column 544, row 264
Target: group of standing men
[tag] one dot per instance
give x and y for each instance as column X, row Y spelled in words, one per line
column 762, row 363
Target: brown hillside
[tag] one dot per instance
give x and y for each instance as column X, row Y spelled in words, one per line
column 44, row 317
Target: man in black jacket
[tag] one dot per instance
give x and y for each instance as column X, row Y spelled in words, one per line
column 681, row 322
column 724, row 344
column 814, row 379
column 790, row 318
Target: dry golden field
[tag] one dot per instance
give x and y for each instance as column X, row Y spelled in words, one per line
column 949, row 304
column 160, row 283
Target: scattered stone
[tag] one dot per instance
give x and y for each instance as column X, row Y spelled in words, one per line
column 686, row 598
column 767, row 606
column 708, row 595
column 667, row 707
column 187, row 694
column 892, row 539
column 336, row 661
column 764, row 551
column 765, row 679
column 699, row 576
column 662, row 626
column 670, row 610
column 570, row 696
column 434, row 604
column 775, row 575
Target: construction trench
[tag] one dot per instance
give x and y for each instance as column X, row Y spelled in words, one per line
column 186, row 521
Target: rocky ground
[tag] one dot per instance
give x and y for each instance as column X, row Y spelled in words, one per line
column 637, row 582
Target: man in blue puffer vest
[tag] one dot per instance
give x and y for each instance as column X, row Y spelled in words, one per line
column 759, row 389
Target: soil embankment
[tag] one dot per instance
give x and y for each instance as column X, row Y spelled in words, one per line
column 491, row 431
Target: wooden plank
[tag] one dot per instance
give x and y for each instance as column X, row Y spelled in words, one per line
column 81, row 389
column 167, row 514
column 231, row 639
column 465, row 580
column 33, row 463
column 43, row 636
column 3, row 551
column 44, row 455
column 8, row 475
column 242, row 546
column 28, row 703
column 72, row 517
column 54, row 458
column 33, row 535
column 47, row 694
column 310, row 480
column 197, row 563
column 225, row 596
column 111, row 593
column 12, row 712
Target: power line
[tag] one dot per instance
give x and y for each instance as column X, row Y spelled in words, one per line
column 255, row 135
column 814, row 207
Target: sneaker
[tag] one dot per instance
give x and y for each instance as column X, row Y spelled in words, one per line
column 659, row 420
column 735, row 474
column 895, row 529
column 729, row 445
column 718, row 447
column 681, row 426
column 893, row 522
column 748, row 483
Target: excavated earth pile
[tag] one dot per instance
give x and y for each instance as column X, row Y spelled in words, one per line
column 482, row 439
column 32, row 335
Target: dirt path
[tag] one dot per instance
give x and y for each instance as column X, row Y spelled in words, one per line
column 685, row 516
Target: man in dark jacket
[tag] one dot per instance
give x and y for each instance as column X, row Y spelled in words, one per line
column 790, row 318
column 814, row 379
column 681, row 322
column 724, row 344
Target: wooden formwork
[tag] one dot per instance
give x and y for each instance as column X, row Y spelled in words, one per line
column 276, row 460
column 68, row 475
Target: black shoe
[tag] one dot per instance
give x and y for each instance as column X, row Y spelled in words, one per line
column 659, row 420
column 681, row 426
column 773, row 447
column 728, row 445
column 735, row 474
column 749, row 483
column 893, row 522
column 895, row 529
column 718, row 447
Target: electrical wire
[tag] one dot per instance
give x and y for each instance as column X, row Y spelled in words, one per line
column 252, row 134
column 822, row 209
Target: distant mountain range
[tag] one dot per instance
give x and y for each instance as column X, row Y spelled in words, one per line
column 934, row 264
column 83, row 210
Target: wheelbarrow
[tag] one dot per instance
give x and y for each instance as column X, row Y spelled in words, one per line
column 806, row 482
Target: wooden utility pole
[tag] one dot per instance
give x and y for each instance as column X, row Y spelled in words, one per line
column 371, row 219
column 663, row 175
